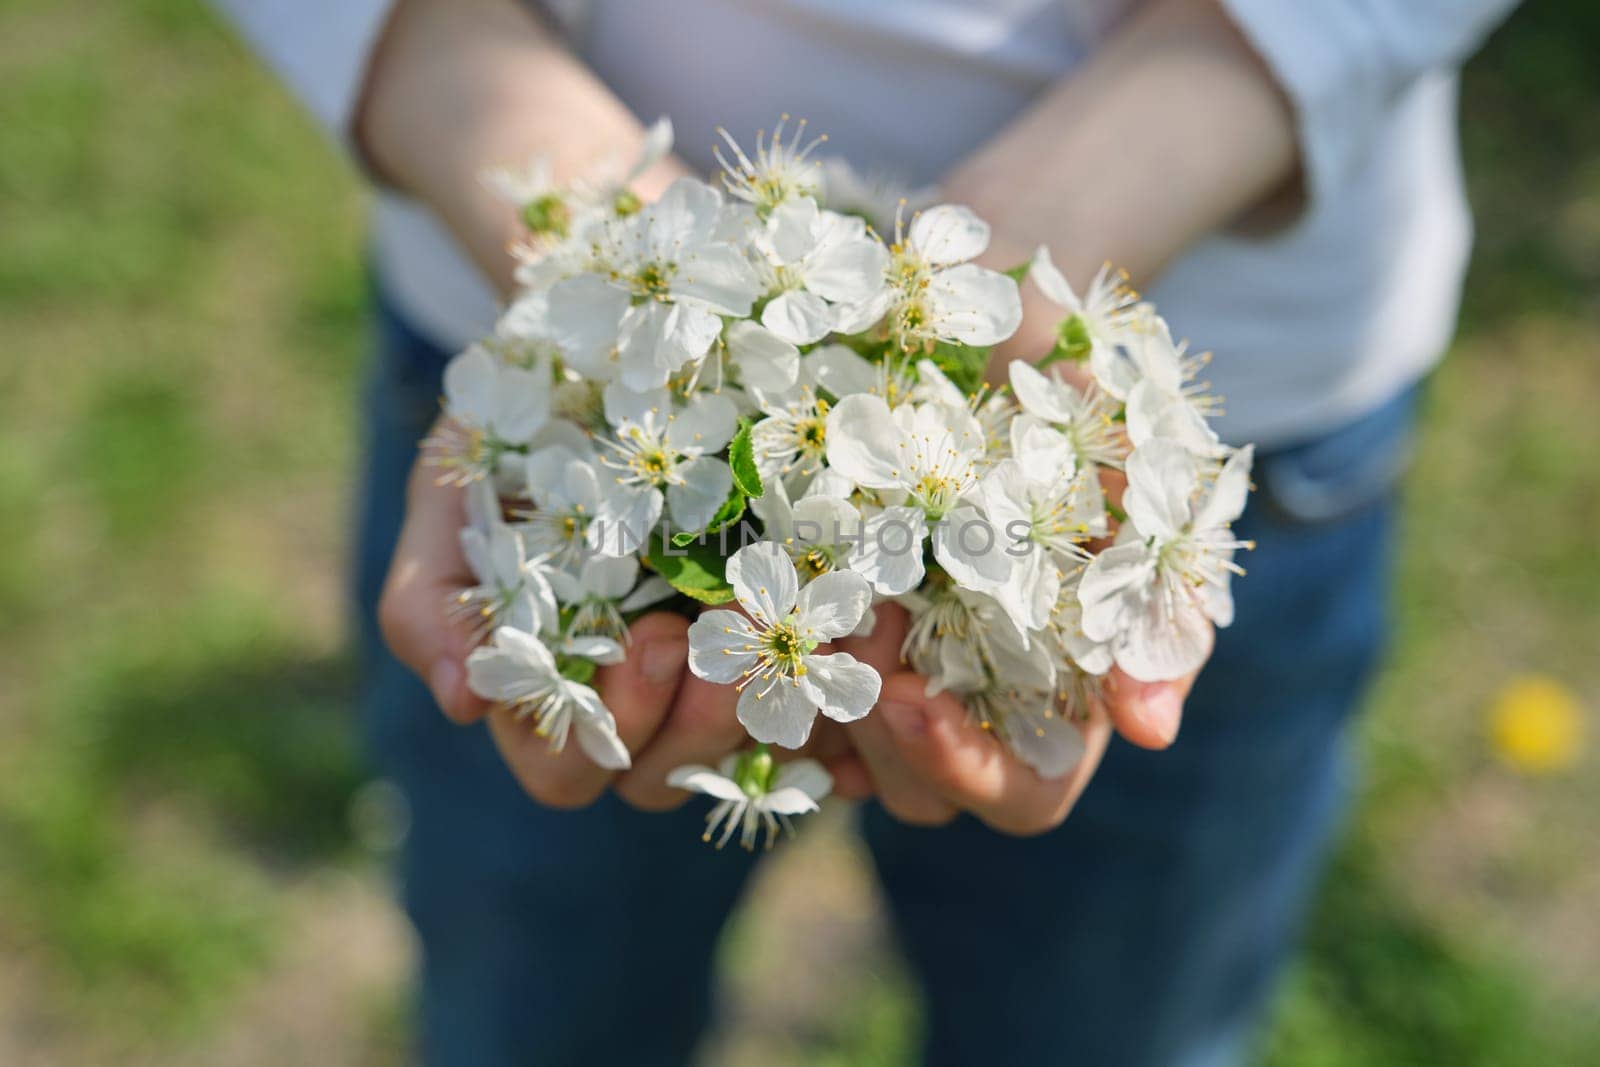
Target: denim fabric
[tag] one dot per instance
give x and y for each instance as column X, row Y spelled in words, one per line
column 1145, row 930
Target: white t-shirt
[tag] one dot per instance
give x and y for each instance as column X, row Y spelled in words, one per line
column 1311, row 326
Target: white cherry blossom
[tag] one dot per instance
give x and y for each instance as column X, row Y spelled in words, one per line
column 1099, row 320
column 493, row 409
column 926, row 459
column 517, row 670
column 602, row 591
column 812, row 260
column 1047, row 515
column 663, row 454
column 933, row 293
column 555, row 211
column 782, row 170
column 567, row 489
column 770, row 651
column 512, row 589
column 1168, row 400
column 1086, row 418
column 753, row 791
column 1156, row 593
column 664, row 278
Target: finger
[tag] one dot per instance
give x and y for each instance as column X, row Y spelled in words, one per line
column 972, row 769
column 831, row 745
column 426, row 570
column 1147, row 714
column 638, row 691
column 898, row 787
column 702, row 727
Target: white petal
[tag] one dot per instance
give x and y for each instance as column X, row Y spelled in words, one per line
column 1030, row 592
column 1052, row 283
column 779, row 715
column 655, row 339
column 656, row 144
column 764, row 580
column 585, row 312
column 721, row 278
column 610, row 578
column 973, row 305
column 1169, row 639
column 594, row 648
column 849, row 266
column 854, row 318
column 1051, row 746
column 523, row 403
column 787, row 801
column 949, row 233
column 1161, row 479
column 698, row 778
column 831, row 604
column 706, row 423
column 494, row 674
column 685, row 215
column 600, row 742
column 1152, row 413
column 706, row 483
column 1226, row 500
column 721, row 646
column 840, row 370
column 627, row 515
column 470, row 386
column 766, row 358
column 864, row 442
column 958, row 669
column 526, row 649
column 652, row 590
column 845, row 688
column 968, row 546
column 1039, row 394
column 889, row 554
column 505, row 556
column 475, row 547
column 1115, row 583
column 806, row 775
column 797, row 316
column 638, row 406
column 792, row 228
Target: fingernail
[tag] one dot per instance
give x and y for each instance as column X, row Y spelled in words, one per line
column 904, row 718
column 1161, row 708
column 662, row 661
column 445, row 679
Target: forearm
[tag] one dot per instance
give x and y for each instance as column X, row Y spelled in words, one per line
column 1173, row 130
column 459, row 85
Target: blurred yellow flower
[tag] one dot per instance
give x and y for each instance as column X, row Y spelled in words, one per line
column 1536, row 725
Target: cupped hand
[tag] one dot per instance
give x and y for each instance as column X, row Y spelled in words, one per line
column 927, row 761
column 665, row 716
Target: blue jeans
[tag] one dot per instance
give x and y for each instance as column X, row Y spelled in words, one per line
column 1147, row 929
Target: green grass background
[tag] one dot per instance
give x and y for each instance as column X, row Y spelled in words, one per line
column 191, row 869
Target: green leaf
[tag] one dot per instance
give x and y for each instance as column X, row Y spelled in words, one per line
column 577, row 669
column 731, row 511
column 742, row 459
column 962, row 364
column 1072, row 342
column 1020, row 271
column 696, row 570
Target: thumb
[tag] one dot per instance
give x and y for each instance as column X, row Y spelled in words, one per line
column 427, row 571
column 1147, row 714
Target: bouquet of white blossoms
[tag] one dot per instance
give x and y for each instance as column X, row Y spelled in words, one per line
column 749, row 397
